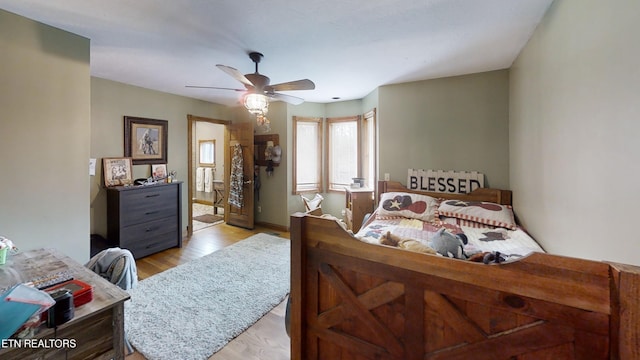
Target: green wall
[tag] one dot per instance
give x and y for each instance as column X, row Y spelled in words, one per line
column 270, row 199
column 457, row 123
column 45, row 134
column 110, row 102
column 574, row 130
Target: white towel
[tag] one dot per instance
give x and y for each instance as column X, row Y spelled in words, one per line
column 208, row 180
column 200, row 179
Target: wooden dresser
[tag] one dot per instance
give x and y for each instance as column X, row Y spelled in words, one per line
column 358, row 203
column 145, row 219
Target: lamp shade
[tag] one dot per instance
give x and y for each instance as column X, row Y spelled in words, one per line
column 256, row 103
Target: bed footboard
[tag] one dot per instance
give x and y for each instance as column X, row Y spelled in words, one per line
column 353, row 300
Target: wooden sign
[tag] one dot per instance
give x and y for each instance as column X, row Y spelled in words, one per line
column 458, row 182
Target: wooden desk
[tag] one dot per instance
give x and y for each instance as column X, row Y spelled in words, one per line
column 97, row 327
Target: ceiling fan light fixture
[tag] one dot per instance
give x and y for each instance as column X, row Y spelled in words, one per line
column 257, row 104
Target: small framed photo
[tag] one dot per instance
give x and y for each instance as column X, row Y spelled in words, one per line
column 145, row 140
column 159, row 171
column 117, row 171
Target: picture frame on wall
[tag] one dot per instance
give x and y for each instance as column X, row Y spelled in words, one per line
column 159, row 171
column 117, row 171
column 145, row 140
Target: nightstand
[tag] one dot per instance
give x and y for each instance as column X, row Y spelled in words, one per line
column 358, row 202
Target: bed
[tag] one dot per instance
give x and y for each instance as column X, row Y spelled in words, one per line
column 351, row 299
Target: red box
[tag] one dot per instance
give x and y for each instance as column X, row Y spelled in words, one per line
column 82, row 292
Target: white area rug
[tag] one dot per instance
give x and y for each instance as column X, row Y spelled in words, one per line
column 193, row 310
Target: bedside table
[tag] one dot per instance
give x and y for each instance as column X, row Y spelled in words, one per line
column 358, row 202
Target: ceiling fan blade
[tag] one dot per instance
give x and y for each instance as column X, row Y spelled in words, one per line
column 235, row 74
column 293, row 100
column 213, row 87
column 304, row 84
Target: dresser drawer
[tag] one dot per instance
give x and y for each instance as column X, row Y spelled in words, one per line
column 143, row 215
column 148, row 204
column 152, row 245
column 148, row 230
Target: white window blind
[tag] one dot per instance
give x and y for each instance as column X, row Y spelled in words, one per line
column 307, row 155
column 343, row 144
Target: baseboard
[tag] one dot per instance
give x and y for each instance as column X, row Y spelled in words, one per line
column 273, row 226
column 260, row 223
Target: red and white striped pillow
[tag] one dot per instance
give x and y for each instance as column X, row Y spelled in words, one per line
column 487, row 213
column 467, row 223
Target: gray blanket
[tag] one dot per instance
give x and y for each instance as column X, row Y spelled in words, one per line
column 117, row 266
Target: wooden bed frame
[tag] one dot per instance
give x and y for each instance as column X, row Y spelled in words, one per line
column 353, row 300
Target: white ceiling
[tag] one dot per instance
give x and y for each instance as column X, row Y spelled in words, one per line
column 347, row 47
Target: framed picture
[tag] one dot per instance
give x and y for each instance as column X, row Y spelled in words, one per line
column 145, row 140
column 117, row 171
column 159, row 171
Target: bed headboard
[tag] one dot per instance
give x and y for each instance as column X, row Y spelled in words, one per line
column 498, row 196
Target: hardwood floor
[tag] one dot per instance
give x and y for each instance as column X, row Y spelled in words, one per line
column 266, row 339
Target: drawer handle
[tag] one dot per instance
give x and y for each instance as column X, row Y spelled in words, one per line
column 153, row 195
column 148, row 229
column 150, row 212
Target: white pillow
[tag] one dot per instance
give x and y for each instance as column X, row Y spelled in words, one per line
column 312, row 204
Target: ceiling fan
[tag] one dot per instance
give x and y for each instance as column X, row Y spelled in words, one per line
column 257, row 83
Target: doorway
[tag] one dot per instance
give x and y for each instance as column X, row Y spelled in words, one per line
column 206, row 172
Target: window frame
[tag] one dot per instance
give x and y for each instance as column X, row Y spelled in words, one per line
column 319, row 122
column 369, row 159
column 327, row 168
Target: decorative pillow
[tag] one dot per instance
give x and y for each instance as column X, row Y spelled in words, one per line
column 312, row 204
column 479, row 211
column 463, row 222
column 413, row 206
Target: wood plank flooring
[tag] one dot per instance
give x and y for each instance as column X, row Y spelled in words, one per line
column 266, row 339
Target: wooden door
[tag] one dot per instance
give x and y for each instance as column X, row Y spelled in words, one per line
column 239, row 185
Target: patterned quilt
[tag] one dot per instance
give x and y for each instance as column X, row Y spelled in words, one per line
column 480, row 239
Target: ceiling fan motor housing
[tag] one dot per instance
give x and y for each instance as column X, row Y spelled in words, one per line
column 259, row 81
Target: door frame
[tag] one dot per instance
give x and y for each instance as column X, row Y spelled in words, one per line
column 191, row 159
column 241, row 133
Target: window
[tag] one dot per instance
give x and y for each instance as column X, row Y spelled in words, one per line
column 369, row 169
column 349, row 152
column 343, row 151
column 207, row 153
column 307, row 156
